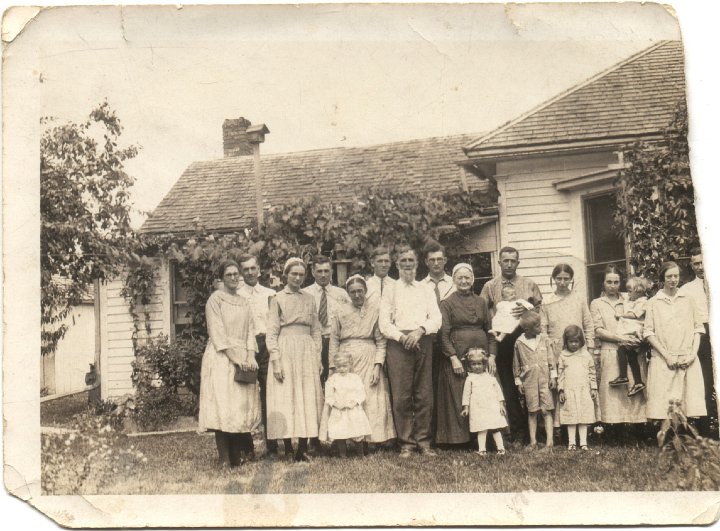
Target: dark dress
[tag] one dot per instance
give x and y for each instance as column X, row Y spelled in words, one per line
column 464, row 326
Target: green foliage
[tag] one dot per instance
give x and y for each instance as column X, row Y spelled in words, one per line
column 85, row 231
column 656, row 198
column 161, row 371
column 693, row 462
column 92, row 450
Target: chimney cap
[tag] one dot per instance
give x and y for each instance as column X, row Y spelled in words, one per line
column 256, row 133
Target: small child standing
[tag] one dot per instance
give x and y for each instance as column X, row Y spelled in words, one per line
column 630, row 322
column 535, row 375
column 483, row 401
column 343, row 413
column 504, row 322
column 577, row 386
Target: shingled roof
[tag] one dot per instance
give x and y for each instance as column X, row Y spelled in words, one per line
column 635, row 98
column 220, row 194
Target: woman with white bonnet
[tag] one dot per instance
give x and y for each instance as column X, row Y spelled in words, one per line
column 355, row 331
column 465, row 324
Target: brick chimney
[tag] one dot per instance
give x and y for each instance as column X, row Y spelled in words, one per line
column 235, row 138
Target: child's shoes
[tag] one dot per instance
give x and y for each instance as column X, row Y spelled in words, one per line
column 501, row 451
column 572, row 447
column 482, row 453
column 531, row 447
column 584, row 447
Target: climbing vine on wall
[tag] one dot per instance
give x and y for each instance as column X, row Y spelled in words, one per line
column 655, row 198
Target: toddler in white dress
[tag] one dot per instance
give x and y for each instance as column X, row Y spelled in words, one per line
column 504, row 322
column 344, row 399
column 483, row 401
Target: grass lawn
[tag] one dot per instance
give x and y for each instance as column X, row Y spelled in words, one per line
column 186, row 464
column 59, row 412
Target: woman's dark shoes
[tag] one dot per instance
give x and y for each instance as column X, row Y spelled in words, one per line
column 302, row 457
column 635, row 389
column 620, row 380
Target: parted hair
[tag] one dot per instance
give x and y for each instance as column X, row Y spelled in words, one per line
column 573, row 332
column 228, row 262
column 637, row 283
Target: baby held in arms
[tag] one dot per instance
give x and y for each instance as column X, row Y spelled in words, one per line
column 505, row 322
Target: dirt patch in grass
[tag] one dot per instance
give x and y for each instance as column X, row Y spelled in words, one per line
column 60, row 411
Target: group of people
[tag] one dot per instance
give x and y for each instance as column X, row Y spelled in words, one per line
column 431, row 364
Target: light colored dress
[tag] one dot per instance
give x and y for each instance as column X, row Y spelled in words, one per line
column 344, row 398
column 615, row 405
column 576, row 378
column 556, row 314
column 674, row 321
column 355, row 332
column 534, row 365
column 293, row 337
column 225, row 404
column 483, row 395
column 504, row 321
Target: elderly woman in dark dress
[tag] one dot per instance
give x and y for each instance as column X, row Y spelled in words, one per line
column 465, row 325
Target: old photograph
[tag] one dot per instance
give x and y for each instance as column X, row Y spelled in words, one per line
column 355, row 265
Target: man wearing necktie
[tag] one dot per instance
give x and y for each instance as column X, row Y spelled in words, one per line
column 443, row 286
column 376, row 284
column 328, row 298
column 259, row 298
column 697, row 290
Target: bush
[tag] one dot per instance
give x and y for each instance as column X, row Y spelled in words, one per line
column 162, row 371
column 693, row 462
column 91, row 452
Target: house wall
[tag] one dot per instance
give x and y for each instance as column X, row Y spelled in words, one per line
column 116, row 330
column 544, row 224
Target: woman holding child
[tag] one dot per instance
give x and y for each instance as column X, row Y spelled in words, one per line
column 355, row 333
column 673, row 328
column 615, row 404
column 464, row 326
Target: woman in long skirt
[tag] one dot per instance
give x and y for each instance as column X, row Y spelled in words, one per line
column 294, row 394
column 229, row 408
column 355, row 332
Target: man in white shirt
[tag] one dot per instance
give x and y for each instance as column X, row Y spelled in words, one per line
column 697, row 290
column 328, row 299
column 381, row 262
column 259, row 298
column 409, row 318
column 443, row 286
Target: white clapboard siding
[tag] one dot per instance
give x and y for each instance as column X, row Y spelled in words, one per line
column 117, row 328
column 539, row 220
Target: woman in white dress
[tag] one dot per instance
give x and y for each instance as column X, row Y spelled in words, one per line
column 229, row 408
column 673, row 328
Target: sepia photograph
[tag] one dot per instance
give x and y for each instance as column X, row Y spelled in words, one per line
column 356, row 265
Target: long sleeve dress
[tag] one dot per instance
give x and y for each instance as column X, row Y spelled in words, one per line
column 344, row 398
column 293, row 337
column 674, row 322
column 225, row 404
column 483, row 396
column 576, row 378
column 355, row 331
column 556, row 314
column 465, row 320
column 615, row 405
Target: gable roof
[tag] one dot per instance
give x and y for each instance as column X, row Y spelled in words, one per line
column 635, row 98
column 220, row 194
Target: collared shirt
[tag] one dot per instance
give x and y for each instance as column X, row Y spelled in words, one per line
column 445, row 285
column 375, row 283
column 696, row 291
column 406, row 307
column 335, row 298
column 259, row 297
column 524, row 289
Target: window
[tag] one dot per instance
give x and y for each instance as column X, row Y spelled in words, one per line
column 603, row 242
column 180, row 308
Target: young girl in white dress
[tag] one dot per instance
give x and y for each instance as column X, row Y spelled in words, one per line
column 344, row 398
column 483, row 401
column 577, row 386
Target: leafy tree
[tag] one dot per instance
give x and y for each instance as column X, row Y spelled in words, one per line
column 85, row 231
column 655, row 198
